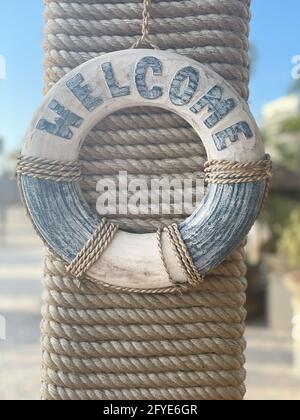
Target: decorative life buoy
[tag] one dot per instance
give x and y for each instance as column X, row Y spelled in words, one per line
column 133, row 78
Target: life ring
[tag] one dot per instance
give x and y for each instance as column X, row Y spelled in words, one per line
column 133, row 78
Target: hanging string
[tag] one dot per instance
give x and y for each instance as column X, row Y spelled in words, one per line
column 145, row 39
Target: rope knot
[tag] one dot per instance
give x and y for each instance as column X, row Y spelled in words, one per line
column 93, row 250
column 193, row 277
column 226, row 172
column 49, row 170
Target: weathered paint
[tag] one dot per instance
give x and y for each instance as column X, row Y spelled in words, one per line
column 84, row 93
column 163, row 77
column 221, row 221
column 142, row 68
column 216, row 104
column 61, row 127
column 223, row 218
column 60, row 214
column 232, row 135
column 183, row 98
column 114, row 87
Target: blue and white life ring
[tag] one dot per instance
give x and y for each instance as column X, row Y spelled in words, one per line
column 133, row 78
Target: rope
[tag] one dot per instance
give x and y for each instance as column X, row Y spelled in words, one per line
column 48, row 170
column 144, row 39
column 182, row 254
column 93, row 249
column 212, row 32
column 102, row 344
column 226, row 172
column 216, row 172
column 215, row 33
column 53, row 392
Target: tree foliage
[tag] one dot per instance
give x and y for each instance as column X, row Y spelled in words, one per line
column 289, row 243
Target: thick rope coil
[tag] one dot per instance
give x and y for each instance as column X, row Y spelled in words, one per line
column 144, row 137
column 139, row 166
column 174, row 150
column 137, row 381
column 131, row 27
column 181, row 40
column 127, row 345
column 53, row 392
column 136, row 365
column 136, row 332
column 158, row 316
column 134, row 8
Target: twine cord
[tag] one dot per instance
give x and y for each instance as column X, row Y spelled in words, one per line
column 227, row 172
column 183, row 256
column 93, row 250
column 49, row 170
column 144, row 39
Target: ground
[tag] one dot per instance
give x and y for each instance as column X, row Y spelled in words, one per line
column 269, row 354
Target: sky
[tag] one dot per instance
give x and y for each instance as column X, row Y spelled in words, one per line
column 274, row 32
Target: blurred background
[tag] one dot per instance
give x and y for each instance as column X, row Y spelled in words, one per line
column 274, row 244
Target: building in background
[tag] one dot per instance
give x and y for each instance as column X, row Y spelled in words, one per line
column 281, row 129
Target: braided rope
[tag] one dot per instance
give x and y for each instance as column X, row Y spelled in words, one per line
column 182, row 254
column 49, row 170
column 120, row 346
column 216, row 171
column 131, row 27
column 134, row 8
column 135, row 365
column 93, row 249
column 53, row 392
column 137, row 381
column 144, row 39
column 226, row 172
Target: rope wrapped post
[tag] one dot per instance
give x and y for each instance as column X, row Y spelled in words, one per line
column 105, row 344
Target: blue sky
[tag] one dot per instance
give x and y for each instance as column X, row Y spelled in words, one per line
column 274, row 31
